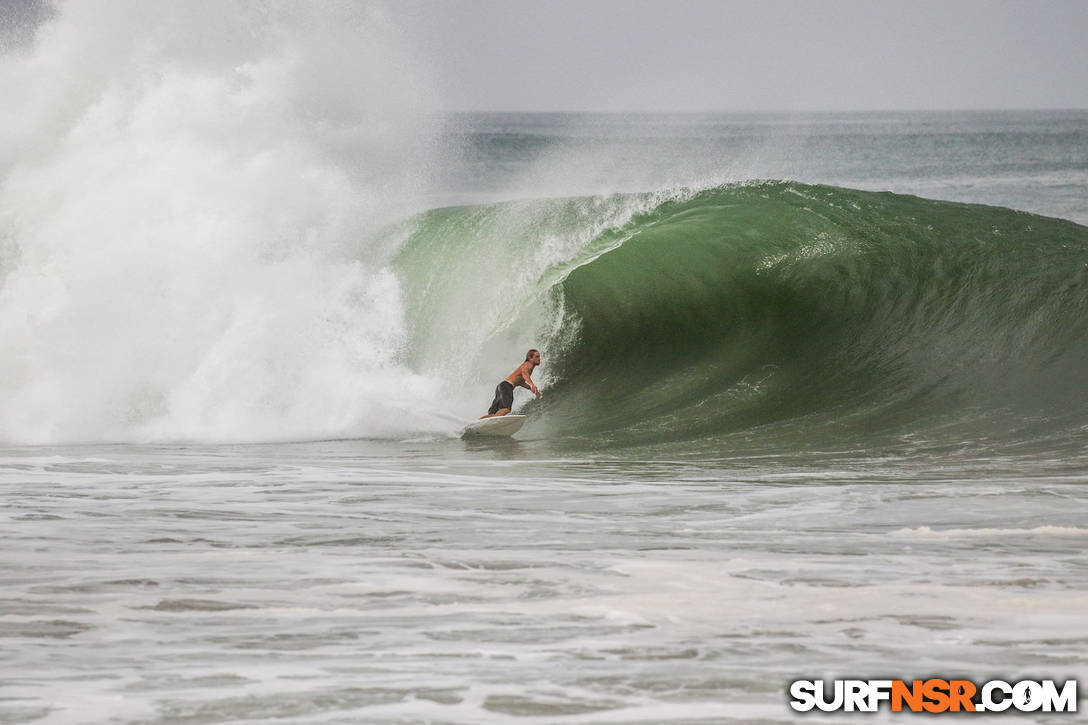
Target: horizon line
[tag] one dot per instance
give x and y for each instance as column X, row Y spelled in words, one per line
column 1050, row 109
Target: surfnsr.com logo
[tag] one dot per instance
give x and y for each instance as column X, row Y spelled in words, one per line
column 933, row 695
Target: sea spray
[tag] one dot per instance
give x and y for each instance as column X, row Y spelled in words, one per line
column 188, row 195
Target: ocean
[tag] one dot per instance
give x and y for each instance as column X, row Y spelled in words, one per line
column 813, row 394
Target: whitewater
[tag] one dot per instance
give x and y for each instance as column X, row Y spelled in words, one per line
column 813, row 389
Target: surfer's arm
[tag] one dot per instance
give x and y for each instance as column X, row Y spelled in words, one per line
column 527, row 382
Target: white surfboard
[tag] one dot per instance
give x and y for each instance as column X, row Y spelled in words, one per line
column 500, row 426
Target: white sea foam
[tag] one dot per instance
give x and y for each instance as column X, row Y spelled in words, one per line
column 186, row 194
column 928, row 533
column 348, row 581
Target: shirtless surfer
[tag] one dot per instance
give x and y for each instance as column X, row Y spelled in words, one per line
column 504, row 392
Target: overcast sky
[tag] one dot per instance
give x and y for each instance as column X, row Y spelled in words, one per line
column 733, row 55
column 690, row 55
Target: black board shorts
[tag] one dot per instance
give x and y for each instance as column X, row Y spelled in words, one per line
column 504, row 398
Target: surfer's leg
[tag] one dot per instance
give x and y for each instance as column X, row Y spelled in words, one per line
column 504, row 398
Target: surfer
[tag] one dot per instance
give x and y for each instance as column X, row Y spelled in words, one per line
column 504, row 392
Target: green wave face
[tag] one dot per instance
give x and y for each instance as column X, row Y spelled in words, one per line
column 805, row 312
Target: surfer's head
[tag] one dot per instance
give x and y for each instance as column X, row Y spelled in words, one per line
column 533, row 356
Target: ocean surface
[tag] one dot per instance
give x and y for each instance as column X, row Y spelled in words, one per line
column 814, row 399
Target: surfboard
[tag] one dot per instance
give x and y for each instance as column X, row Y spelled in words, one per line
column 503, row 425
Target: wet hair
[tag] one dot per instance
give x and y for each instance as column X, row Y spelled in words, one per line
column 530, row 354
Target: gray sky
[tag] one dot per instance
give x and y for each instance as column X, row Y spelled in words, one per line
column 689, row 55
